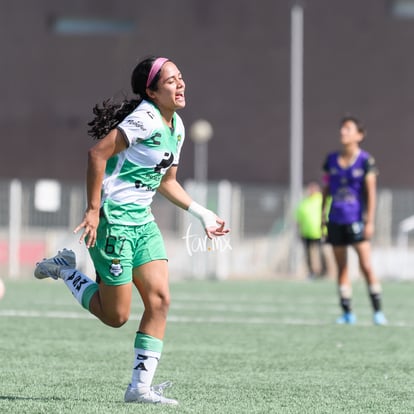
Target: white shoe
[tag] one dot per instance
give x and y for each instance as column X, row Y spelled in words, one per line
column 153, row 396
column 65, row 259
column 159, row 388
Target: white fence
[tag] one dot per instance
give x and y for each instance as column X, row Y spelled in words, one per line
column 37, row 219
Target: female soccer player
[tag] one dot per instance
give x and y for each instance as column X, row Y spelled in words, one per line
column 350, row 178
column 137, row 154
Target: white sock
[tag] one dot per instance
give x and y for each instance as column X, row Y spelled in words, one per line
column 77, row 283
column 145, row 364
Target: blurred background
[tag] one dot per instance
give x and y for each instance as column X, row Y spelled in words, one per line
column 270, row 81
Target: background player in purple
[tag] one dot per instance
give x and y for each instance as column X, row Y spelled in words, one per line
column 350, row 179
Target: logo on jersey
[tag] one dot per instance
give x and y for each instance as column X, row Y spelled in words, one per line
column 136, row 123
column 154, row 139
column 357, row 172
column 116, row 267
column 179, row 138
column 165, row 163
column 146, row 187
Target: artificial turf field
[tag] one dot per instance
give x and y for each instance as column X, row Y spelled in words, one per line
column 230, row 347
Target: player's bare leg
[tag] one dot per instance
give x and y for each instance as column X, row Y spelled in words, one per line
column 363, row 250
column 112, row 304
column 151, row 280
column 344, row 285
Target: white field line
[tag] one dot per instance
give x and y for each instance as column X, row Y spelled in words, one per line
column 247, row 299
column 300, row 307
column 217, row 300
column 190, row 319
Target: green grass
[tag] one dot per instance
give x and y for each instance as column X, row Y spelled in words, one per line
column 231, row 347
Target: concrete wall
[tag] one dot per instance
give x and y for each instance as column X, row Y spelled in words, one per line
column 234, row 55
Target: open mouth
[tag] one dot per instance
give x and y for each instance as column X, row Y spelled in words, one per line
column 179, row 97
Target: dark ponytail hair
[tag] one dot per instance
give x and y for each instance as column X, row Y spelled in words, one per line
column 111, row 113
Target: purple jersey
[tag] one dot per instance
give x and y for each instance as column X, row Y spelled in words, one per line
column 347, row 187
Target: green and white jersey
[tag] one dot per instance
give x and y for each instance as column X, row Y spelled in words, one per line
column 133, row 176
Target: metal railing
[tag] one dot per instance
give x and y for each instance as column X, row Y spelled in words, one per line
column 262, row 240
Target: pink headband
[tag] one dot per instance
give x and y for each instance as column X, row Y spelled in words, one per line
column 156, row 66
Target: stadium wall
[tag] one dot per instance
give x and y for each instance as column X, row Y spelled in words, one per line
column 235, row 57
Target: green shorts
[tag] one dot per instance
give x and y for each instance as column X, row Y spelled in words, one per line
column 119, row 249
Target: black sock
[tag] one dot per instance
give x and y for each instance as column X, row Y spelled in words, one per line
column 376, row 301
column 346, row 304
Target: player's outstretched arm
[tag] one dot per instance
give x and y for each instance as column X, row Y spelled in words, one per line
column 171, row 189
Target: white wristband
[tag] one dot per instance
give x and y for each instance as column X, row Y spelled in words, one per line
column 207, row 217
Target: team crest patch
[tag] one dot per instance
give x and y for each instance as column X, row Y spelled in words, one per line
column 116, row 267
column 358, row 172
